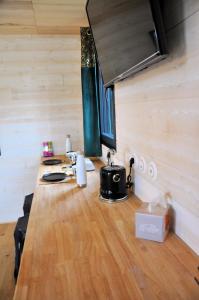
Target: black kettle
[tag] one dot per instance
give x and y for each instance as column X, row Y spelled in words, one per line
column 113, row 182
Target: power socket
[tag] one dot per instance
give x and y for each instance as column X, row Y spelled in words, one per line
column 152, row 170
column 135, row 157
column 142, row 165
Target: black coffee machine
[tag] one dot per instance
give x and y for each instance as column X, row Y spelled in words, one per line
column 113, row 182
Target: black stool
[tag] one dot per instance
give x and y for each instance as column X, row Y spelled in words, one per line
column 19, row 237
column 27, row 204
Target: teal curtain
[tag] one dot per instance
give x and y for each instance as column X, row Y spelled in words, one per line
column 90, row 95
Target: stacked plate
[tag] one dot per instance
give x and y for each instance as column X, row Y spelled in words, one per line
column 54, row 177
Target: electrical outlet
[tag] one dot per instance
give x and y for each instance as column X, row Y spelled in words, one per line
column 142, row 165
column 152, row 170
column 135, row 160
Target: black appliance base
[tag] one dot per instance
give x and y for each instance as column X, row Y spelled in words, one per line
column 110, row 200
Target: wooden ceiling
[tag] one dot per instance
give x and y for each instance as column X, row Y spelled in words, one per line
column 42, row 16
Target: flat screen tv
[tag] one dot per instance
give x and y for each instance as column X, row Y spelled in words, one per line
column 129, row 35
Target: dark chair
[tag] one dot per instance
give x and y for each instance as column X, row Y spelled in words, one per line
column 27, row 204
column 19, row 237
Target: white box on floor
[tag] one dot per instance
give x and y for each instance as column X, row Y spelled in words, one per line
column 152, row 223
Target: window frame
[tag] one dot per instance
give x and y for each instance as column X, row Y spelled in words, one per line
column 106, row 112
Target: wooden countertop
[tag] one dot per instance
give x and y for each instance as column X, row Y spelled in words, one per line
column 78, row 247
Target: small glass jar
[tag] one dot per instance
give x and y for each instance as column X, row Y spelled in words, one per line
column 48, row 149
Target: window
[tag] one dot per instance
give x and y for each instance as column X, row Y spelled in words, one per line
column 107, row 114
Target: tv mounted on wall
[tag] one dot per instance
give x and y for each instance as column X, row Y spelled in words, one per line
column 129, row 36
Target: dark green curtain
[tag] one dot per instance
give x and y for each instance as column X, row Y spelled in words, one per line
column 90, row 95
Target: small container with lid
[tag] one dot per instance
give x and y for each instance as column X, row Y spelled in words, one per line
column 48, row 149
column 113, row 183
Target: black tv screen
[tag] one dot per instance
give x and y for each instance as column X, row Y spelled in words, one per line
column 129, row 35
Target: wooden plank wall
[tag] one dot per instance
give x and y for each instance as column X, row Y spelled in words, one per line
column 42, row 16
column 40, row 89
column 40, row 99
column 157, row 116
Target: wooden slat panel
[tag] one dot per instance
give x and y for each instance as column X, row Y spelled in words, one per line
column 17, row 17
column 40, row 99
column 157, row 113
column 42, row 17
column 59, row 15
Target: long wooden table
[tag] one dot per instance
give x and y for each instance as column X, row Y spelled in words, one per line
column 78, row 247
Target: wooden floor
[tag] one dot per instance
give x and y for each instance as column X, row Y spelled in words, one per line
column 7, row 283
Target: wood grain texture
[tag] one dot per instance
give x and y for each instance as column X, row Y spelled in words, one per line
column 40, row 99
column 157, row 117
column 7, row 282
column 42, row 17
column 78, row 247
